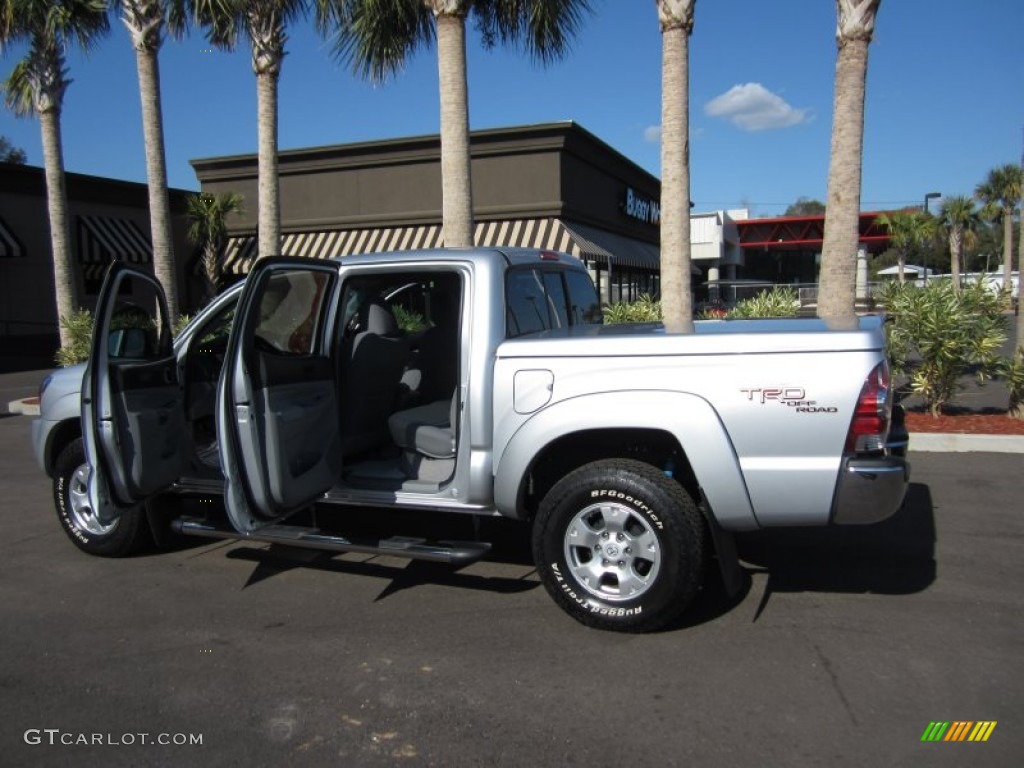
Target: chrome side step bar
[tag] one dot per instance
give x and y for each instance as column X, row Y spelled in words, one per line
column 453, row 552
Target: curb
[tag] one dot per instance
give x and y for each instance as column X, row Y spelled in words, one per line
column 27, row 406
column 933, row 442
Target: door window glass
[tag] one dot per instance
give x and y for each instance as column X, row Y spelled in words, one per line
column 292, row 311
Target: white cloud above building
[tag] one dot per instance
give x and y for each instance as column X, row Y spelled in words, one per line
column 752, row 107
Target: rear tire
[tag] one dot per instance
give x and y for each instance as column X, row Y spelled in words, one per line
column 619, row 546
column 125, row 536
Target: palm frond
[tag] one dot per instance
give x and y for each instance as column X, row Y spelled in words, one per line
column 376, row 37
column 19, row 94
column 545, row 29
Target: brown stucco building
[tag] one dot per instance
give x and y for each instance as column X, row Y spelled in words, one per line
column 550, row 186
column 108, row 219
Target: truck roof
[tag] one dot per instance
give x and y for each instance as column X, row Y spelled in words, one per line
column 504, row 255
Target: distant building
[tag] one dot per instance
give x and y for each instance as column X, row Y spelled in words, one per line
column 108, row 219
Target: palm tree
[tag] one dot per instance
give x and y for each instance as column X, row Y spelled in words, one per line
column 10, row 153
column 958, row 220
column 838, row 280
column 145, row 20
column 263, row 22
column 908, row 231
column 377, row 37
column 36, row 87
column 999, row 194
column 207, row 229
column 676, row 20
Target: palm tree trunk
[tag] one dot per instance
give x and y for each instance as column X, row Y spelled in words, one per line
column 838, row 279
column 956, row 246
column 456, row 177
column 1020, row 295
column 156, row 175
column 676, row 299
column 64, row 281
column 269, row 188
column 1007, row 246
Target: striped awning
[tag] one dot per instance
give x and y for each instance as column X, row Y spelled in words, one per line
column 9, row 244
column 102, row 240
column 553, row 234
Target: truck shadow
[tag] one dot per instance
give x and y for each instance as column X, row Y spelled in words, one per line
column 894, row 557
column 510, row 545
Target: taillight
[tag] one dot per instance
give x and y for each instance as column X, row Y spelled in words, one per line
column 870, row 425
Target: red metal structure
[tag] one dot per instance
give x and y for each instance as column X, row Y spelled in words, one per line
column 788, row 233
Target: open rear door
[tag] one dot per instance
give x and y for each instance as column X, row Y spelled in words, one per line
column 277, row 406
column 133, row 416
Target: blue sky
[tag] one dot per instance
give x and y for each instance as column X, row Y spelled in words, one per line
column 944, row 105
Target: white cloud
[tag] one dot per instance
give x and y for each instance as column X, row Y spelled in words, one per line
column 752, row 107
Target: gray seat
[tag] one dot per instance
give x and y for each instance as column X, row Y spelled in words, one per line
column 433, row 370
column 371, row 369
column 427, row 430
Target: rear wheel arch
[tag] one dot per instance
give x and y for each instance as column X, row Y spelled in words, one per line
column 658, row 448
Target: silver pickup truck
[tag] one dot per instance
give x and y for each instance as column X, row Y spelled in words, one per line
column 479, row 382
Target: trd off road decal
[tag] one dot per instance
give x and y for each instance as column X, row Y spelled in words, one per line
column 791, row 397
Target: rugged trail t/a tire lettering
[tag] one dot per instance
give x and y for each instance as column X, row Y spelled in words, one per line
column 124, row 536
column 619, row 546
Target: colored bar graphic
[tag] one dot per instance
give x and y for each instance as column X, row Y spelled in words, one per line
column 958, row 730
column 982, row 730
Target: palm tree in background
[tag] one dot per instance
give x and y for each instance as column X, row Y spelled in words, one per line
column 146, row 21
column 837, row 284
column 676, row 20
column 958, row 219
column 36, row 86
column 264, row 23
column 208, row 230
column 1000, row 194
column 377, row 37
column 908, row 232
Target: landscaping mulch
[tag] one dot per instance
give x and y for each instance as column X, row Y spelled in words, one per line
column 969, row 423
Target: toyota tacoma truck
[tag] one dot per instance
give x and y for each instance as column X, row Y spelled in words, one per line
column 473, row 382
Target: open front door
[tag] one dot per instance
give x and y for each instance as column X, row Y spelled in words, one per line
column 133, row 415
column 277, row 405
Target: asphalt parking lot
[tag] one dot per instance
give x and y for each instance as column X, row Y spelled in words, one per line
column 843, row 647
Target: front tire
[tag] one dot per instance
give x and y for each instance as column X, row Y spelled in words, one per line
column 619, row 546
column 125, row 536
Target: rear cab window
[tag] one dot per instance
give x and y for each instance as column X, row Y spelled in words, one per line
column 540, row 298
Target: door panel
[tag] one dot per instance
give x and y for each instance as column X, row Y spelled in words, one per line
column 277, row 398
column 133, row 414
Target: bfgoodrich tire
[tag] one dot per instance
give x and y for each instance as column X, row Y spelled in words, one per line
column 619, row 546
column 124, row 536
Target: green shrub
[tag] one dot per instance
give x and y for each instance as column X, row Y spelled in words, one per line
column 938, row 335
column 180, row 323
column 79, row 328
column 408, row 320
column 643, row 310
column 780, row 301
column 1012, row 372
